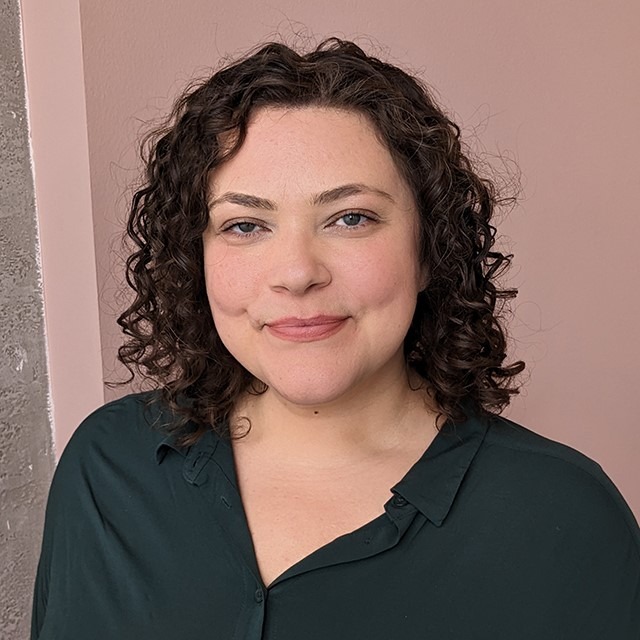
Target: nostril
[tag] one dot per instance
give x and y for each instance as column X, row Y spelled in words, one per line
column 299, row 275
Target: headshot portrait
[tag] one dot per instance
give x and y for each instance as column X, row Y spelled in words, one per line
column 328, row 342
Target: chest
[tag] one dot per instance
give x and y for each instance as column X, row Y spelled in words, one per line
column 290, row 517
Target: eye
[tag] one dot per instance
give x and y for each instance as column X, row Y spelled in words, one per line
column 243, row 229
column 353, row 220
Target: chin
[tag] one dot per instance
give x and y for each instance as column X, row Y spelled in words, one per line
column 314, row 393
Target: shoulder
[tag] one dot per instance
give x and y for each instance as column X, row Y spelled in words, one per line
column 106, row 488
column 110, row 468
column 560, row 486
column 547, row 463
column 136, row 422
column 538, row 522
column 509, row 436
column 118, row 439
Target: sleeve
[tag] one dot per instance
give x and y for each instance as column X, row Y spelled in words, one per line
column 40, row 593
column 54, row 555
column 596, row 574
column 606, row 595
column 68, row 543
column 91, row 483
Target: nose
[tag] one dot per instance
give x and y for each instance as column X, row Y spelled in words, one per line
column 298, row 265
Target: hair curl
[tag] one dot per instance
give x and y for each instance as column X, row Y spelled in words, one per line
column 456, row 341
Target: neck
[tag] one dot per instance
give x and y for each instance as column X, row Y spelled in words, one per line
column 385, row 417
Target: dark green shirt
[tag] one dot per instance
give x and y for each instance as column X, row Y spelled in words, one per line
column 495, row 533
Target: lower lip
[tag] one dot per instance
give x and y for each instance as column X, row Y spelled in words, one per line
column 307, row 333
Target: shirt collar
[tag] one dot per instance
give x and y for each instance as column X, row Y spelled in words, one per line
column 432, row 484
column 197, row 456
column 168, row 442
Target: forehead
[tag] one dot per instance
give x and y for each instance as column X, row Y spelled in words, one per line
column 310, row 149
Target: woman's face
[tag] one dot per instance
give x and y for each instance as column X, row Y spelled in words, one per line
column 311, row 256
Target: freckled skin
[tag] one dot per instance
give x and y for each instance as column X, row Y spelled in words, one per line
column 354, row 257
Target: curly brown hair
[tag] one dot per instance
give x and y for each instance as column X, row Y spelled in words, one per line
column 456, row 341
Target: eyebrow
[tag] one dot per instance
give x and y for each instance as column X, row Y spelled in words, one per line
column 322, row 198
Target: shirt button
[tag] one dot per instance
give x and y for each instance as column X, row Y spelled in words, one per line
column 398, row 501
column 259, row 596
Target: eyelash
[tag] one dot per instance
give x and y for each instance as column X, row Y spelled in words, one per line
column 230, row 228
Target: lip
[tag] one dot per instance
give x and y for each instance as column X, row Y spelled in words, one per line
column 306, row 329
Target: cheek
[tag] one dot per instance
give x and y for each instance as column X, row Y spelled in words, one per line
column 385, row 297
column 385, row 277
column 231, row 283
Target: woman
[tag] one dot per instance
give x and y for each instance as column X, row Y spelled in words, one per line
column 323, row 457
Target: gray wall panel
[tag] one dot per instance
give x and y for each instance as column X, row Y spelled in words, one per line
column 26, row 460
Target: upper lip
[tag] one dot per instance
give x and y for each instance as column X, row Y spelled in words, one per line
column 305, row 322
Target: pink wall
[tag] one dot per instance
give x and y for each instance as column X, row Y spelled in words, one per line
column 58, row 125
column 556, row 85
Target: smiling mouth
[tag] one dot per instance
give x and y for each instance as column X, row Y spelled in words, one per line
column 306, row 329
